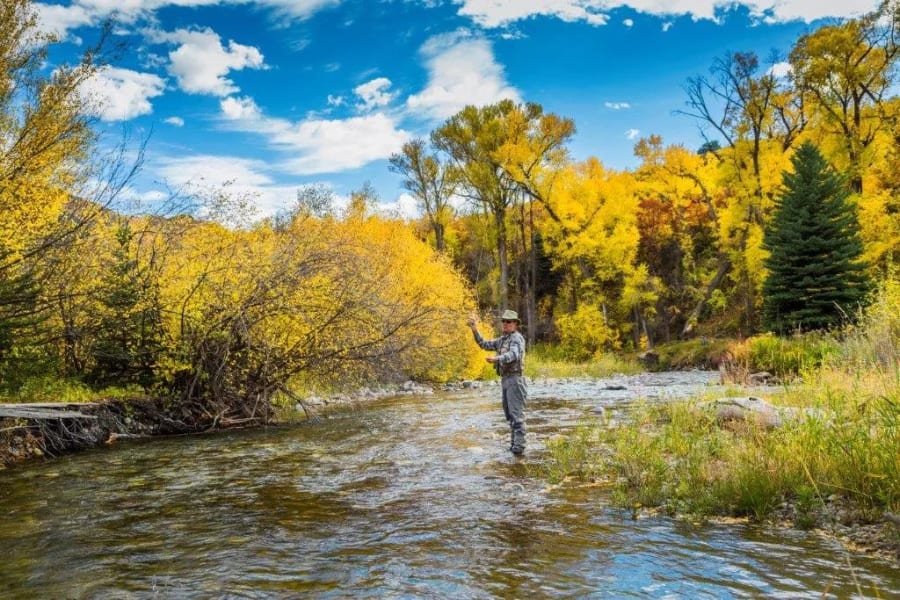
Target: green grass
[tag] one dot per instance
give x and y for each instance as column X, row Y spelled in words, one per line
column 696, row 353
column 543, row 361
column 677, row 457
column 51, row 389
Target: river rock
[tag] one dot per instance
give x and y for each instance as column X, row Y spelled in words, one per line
column 649, row 358
column 745, row 409
column 411, row 387
column 762, row 378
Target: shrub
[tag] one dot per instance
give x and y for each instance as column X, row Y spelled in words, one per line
column 584, row 334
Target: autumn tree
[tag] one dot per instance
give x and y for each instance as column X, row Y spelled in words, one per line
column 679, row 201
column 471, row 138
column 849, row 69
column 45, row 133
column 52, row 186
column 815, row 275
column 593, row 240
column 758, row 117
column 431, row 182
column 534, row 153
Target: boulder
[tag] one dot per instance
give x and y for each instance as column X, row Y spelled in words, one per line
column 649, row 358
column 749, row 409
column 762, row 378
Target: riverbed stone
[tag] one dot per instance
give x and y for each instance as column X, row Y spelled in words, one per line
column 731, row 410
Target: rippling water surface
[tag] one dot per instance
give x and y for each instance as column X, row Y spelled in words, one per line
column 412, row 497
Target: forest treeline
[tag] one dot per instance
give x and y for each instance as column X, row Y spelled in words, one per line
column 196, row 302
column 601, row 259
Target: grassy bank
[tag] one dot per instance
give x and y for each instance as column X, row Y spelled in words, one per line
column 544, row 361
column 677, row 457
column 52, row 389
column 837, row 461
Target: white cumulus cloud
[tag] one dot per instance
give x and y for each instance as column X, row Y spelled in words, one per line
column 240, row 108
column 632, row 134
column 374, row 93
column 781, row 70
column 201, row 63
column 497, row 13
column 617, row 105
column 500, row 13
column 214, row 170
column 461, row 70
column 59, row 19
column 175, row 121
column 116, row 94
column 328, row 146
column 240, row 178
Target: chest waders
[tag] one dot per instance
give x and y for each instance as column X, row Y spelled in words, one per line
column 515, row 394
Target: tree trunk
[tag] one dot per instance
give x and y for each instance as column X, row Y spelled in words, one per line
column 532, row 293
column 439, row 237
column 636, row 334
column 500, row 220
column 724, row 265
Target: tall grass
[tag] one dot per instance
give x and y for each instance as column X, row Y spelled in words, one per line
column 677, row 456
column 843, row 438
column 50, row 389
column 543, row 361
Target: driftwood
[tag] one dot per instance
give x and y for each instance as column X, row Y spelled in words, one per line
column 50, row 410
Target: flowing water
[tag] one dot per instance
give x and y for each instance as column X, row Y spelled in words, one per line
column 412, row 497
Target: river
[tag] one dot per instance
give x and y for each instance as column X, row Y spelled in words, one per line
column 410, row 497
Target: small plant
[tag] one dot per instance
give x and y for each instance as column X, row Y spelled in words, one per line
column 573, row 455
column 807, row 504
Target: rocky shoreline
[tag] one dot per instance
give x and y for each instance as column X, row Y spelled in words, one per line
column 856, row 529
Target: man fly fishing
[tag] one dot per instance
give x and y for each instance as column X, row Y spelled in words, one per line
column 509, row 362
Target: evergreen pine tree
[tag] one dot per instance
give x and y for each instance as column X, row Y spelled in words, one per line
column 128, row 342
column 20, row 311
column 816, row 275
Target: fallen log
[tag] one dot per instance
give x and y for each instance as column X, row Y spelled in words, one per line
column 43, row 411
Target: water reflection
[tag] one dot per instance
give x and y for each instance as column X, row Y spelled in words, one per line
column 412, row 498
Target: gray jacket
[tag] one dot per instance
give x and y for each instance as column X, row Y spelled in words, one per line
column 510, row 352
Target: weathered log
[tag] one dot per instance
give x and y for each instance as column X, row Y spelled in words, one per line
column 43, row 411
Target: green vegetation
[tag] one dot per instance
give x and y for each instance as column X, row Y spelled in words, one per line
column 815, row 273
column 676, row 455
column 50, row 389
column 839, row 437
column 545, row 361
column 694, row 353
column 786, row 357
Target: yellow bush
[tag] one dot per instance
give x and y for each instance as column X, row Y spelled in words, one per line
column 584, row 333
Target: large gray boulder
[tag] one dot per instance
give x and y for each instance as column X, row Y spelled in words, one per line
column 755, row 410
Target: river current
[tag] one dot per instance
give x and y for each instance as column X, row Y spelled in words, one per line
column 409, row 497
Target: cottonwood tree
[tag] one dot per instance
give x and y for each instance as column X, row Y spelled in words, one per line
column 432, row 183
column 471, row 138
column 679, row 201
column 758, row 116
column 495, row 150
column 52, row 182
column 849, row 70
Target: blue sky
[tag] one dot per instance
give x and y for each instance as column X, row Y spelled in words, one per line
column 275, row 94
